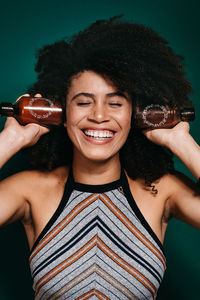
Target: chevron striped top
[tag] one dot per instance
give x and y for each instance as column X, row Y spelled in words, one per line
column 97, row 245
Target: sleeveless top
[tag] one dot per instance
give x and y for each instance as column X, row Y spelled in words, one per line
column 97, row 245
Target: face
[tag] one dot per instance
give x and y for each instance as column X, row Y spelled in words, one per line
column 98, row 117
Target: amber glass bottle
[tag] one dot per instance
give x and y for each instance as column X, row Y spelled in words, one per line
column 45, row 112
column 34, row 110
column 159, row 116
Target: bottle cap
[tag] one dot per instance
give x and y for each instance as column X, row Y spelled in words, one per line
column 187, row 114
column 6, row 109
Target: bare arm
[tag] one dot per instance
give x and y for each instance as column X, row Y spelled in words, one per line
column 13, row 202
column 181, row 143
column 15, row 137
column 184, row 202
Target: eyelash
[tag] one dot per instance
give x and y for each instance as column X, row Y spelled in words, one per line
column 116, row 104
column 82, row 103
column 86, row 103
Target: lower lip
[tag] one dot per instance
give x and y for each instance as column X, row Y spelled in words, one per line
column 99, row 141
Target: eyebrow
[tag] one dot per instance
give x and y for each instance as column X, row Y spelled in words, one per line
column 90, row 95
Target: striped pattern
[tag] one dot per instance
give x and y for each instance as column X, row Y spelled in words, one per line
column 98, row 248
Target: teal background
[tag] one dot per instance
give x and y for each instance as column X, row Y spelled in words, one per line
column 25, row 27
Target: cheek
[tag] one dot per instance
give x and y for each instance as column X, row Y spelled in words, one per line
column 74, row 115
column 72, row 124
column 125, row 120
column 71, row 117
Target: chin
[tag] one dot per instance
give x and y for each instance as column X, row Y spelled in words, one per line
column 99, row 156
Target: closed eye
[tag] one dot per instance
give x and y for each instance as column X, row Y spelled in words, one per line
column 82, row 103
column 115, row 104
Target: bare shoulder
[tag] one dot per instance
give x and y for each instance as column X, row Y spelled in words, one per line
column 18, row 182
column 32, row 197
column 30, row 183
column 165, row 192
column 176, row 187
column 171, row 183
column 184, row 198
column 178, row 182
column 159, row 188
column 42, row 181
column 44, row 191
column 177, row 196
column 153, row 205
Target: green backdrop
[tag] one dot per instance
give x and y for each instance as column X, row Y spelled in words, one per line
column 28, row 25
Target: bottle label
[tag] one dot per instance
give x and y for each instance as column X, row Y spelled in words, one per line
column 38, row 111
column 146, row 115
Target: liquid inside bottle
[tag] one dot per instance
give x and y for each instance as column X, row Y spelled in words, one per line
column 159, row 116
column 45, row 112
column 34, row 110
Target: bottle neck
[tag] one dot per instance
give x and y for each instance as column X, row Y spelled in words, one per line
column 6, row 109
column 187, row 114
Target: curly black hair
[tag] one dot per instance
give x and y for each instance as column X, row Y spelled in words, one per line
column 138, row 61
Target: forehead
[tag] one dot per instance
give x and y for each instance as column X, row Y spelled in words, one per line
column 89, row 81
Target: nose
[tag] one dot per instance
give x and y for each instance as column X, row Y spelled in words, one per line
column 99, row 113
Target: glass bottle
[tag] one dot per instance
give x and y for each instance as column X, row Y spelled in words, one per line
column 34, row 110
column 159, row 116
column 45, row 112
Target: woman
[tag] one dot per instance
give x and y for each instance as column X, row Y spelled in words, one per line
column 97, row 202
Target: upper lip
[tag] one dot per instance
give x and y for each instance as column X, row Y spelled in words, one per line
column 98, row 129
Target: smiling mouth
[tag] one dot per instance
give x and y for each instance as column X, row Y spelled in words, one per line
column 98, row 134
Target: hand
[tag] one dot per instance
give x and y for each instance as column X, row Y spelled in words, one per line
column 24, row 136
column 168, row 136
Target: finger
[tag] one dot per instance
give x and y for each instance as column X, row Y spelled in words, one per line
column 38, row 95
column 145, row 131
column 183, row 125
column 42, row 129
column 10, row 120
column 24, row 95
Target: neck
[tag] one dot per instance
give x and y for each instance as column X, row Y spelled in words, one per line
column 92, row 172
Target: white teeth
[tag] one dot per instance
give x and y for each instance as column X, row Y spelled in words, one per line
column 98, row 133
